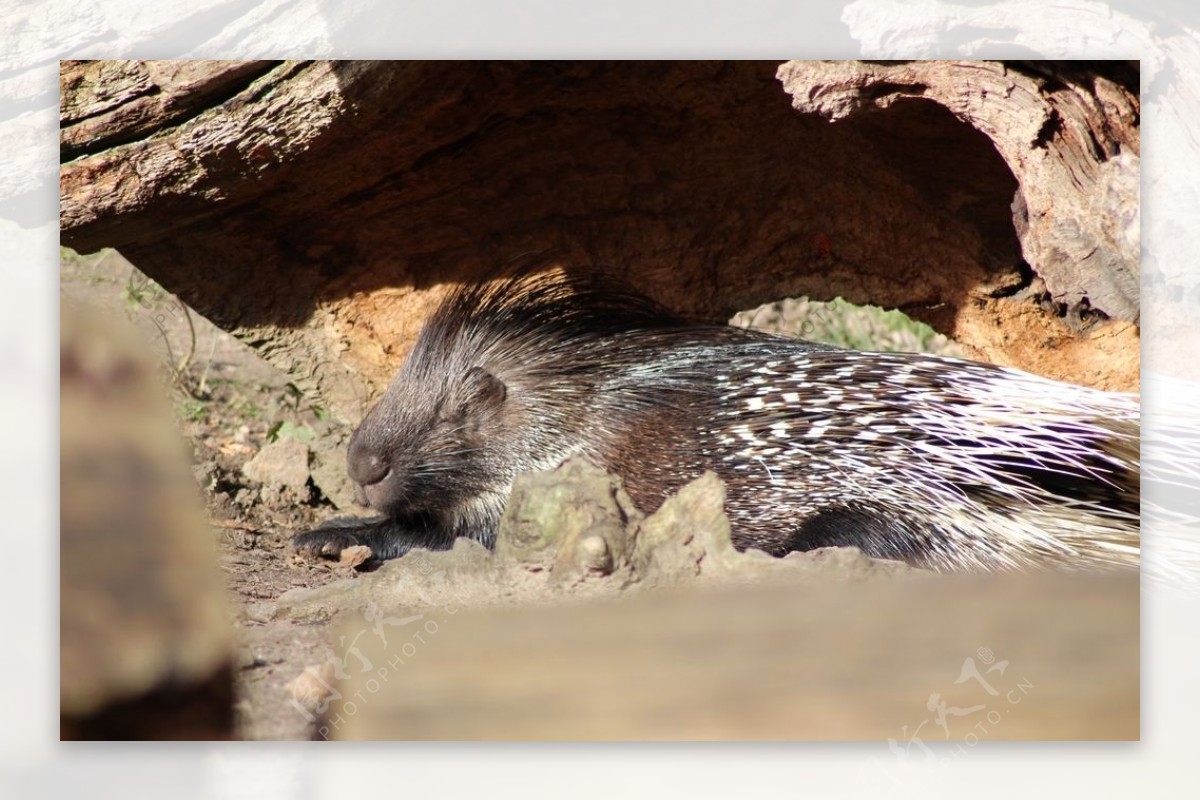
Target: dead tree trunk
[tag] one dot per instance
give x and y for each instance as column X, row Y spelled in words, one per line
column 319, row 209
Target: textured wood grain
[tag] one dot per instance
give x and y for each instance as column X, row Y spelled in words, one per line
column 106, row 103
column 1068, row 133
column 319, row 210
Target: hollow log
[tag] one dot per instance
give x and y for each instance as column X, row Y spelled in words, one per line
column 319, row 210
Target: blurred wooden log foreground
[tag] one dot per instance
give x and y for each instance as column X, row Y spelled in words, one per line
column 145, row 645
column 945, row 663
column 319, row 209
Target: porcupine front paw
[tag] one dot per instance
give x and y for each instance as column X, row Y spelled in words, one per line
column 330, row 538
column 387, row 537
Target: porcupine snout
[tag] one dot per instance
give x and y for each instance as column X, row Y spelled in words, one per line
column 366, row 466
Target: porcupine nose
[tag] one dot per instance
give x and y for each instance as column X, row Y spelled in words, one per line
column 364, row 464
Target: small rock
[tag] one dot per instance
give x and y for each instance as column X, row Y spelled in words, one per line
column 354, row 556
column 688, row 535
column 283, row 463
column 205, row 473
column 551, row 513
column 313, row 686
column 594, row 556
column 330, row 476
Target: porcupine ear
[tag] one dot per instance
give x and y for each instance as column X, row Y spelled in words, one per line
column 479, row 393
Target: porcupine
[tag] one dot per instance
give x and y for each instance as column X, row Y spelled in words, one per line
column 940, row 462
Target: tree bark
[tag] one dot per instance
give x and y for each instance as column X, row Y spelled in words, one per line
column 319, row 210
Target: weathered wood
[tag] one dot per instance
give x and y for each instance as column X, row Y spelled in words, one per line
column 108, row 103
column 1003, row 658
column 144, row 627
column 1068, row 134
column 320, row 209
